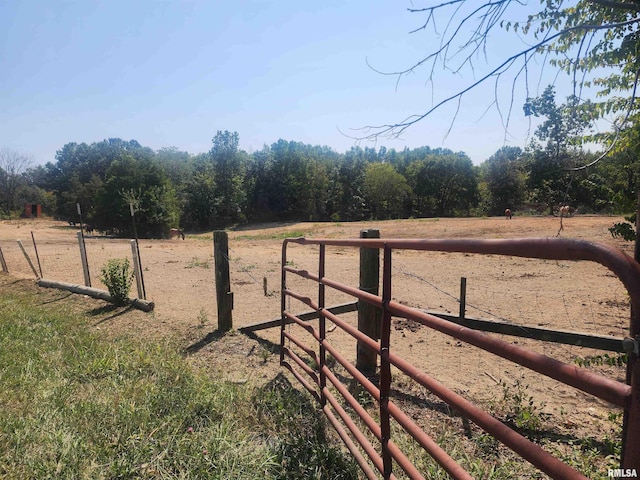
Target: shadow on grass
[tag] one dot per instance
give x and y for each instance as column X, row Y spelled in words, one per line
column 203, row 342
column 298, row 433
column 54, row 300
column 269, row 345
column 115, row 310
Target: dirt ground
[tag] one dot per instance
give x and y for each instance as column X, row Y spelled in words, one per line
column 179, row 279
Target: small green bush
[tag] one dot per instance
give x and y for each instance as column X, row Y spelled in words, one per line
column 117, row 277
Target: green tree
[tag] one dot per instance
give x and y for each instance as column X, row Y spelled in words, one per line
column 144, row 182
column 505, row 180
column 80, row 170
column 385, row 191
column 550, row 179
column 443, row 185
column 346, row 186
column 564, row 126
column 200, row 198
column 229, row 172
column 290, row 181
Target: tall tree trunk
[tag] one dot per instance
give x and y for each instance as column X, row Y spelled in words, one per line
column 636, row 252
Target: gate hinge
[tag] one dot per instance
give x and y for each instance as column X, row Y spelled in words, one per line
column 631, row 345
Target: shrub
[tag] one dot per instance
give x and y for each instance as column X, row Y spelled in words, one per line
column 625, row 230
column 117, row 276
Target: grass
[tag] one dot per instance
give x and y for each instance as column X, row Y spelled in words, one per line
column 275, row 236
column 195, row 262
column 485, row 457
column 478, row 452
column 76, row 405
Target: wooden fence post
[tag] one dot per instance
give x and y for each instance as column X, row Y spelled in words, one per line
column 83, row 258
column 463, row 298
column 224, row 295
column 35, row 248
column 136, row 267
column 26, row 255
column 369, row 317
column 3, row 263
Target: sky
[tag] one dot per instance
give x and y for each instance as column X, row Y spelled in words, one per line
column 173, row 73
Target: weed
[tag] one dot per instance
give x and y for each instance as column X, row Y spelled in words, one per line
column 518, row 408
column 265, row 354
column 203, row 318
column 117, row 276
column 275, row 236
column 196, row 262
column 616, row 360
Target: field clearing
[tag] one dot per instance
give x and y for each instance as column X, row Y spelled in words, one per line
column 179, row 278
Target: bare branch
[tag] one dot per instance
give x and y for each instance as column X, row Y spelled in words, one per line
column 490, row 14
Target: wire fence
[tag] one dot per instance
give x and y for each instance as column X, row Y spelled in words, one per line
column 179, row 276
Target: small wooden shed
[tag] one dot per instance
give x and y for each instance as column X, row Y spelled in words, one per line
column 32, row 210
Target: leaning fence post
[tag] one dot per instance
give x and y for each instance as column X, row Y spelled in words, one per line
column 3, row 263
column 35, row 248
column 26, row 255
column 83, row 258
column 224, row 295
column 136, row 267
column 368, row 315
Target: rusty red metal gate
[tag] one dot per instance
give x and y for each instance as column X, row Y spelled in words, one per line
column 317, row 378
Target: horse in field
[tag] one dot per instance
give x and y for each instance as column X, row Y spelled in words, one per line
column 508, row 214
column 175, row 233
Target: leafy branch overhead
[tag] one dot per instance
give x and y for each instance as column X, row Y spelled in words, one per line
column 596, row 43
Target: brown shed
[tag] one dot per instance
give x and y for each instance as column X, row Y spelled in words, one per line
column 32, row 210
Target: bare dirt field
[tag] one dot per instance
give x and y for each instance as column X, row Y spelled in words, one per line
column 179, row 279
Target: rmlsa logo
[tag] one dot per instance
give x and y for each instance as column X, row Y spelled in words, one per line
column 623, row 473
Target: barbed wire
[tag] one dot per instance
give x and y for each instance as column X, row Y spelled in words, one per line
column 457, row 299
column 242, row 268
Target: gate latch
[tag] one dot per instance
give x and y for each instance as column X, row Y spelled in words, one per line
column 631, row 345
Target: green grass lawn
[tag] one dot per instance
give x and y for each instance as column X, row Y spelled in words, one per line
column 76, row 405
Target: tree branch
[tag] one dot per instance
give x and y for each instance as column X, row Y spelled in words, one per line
column 631, row 7
column 491, row 13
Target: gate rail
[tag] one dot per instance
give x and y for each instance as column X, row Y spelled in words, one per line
column 625, row 395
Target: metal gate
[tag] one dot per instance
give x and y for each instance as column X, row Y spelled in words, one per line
column 319, row 376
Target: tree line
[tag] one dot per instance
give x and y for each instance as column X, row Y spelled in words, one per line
column 292, row 181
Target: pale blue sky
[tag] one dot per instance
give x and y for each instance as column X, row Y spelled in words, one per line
column 172, row 73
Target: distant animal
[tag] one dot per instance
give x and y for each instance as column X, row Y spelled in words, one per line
column 175, row 233
column 88, row 228
column 507, row 214
column 565, row 211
